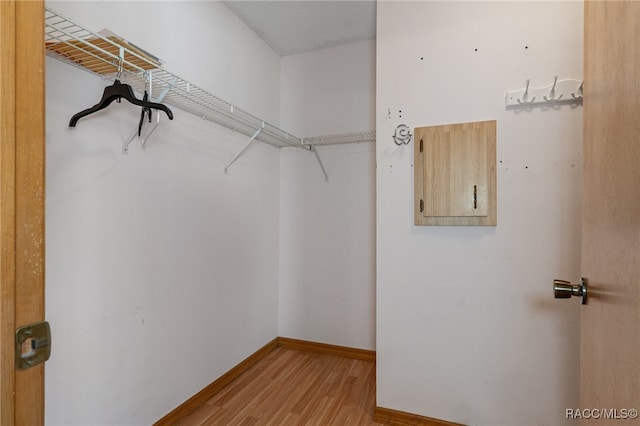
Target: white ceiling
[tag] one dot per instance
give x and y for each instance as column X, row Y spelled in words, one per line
column 291, row 27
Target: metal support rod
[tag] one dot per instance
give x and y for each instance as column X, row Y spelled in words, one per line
column 165, row 91
column 158, row 100
column 246, row 145
column 125, row 145
column 324, row 172
column 150, row 132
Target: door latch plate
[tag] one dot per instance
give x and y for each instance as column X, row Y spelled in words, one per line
column 33, row 345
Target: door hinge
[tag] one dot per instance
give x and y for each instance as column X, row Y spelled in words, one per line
column 421, row 205
column 33, row 345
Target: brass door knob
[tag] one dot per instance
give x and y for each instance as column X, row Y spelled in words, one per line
column 564, row 289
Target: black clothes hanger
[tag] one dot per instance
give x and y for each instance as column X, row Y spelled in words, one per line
column 145, row 111
column 114, row 92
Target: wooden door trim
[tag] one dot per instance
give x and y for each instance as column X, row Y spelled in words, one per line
column 7, row 210
column 22, row 129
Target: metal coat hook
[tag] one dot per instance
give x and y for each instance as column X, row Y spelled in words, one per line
column 525, row 95
column 580, row 94
column 402, row 135
column 552, row 92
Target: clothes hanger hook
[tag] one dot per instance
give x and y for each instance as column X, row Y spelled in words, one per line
column 120, row 67
column 120, row 63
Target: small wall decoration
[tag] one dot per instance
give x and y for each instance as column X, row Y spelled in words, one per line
column 402, row 135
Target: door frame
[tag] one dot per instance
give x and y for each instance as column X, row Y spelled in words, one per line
column 22, row 160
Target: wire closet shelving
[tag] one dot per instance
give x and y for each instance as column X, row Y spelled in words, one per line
column 111, row 57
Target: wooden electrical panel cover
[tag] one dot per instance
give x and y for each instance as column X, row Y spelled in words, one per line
column 455, row 174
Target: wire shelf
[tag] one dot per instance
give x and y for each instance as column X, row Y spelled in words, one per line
column 342, row 138
column 112, row 57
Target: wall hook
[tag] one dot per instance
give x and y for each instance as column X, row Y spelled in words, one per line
column 525, row 95
column 402, row 135
column 579, row 91
column 552, row 92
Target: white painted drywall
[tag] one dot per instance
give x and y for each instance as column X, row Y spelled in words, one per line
column 467, row 327
column 329, row 91
column 327, row 229
column 162, row 271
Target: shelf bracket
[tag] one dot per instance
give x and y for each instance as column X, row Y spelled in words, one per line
column 324, row 172
column 164, row 92
column 144, row 139
column 244, row 147
column 125, row 145
column 158, row 100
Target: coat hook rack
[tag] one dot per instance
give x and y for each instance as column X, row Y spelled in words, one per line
column 559, row 92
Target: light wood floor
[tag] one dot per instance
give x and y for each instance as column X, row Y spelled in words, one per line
column 290, row 387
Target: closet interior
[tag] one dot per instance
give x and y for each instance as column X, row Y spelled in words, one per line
column 212, row 240
column 113, row 58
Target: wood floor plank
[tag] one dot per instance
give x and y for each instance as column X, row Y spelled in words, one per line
column 293, row 387
column 248, row 421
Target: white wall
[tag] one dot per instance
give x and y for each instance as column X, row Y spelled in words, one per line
column 327, row 229
column 161, row 273
column 467, row 328
column 327, row 256
column 329, row 91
